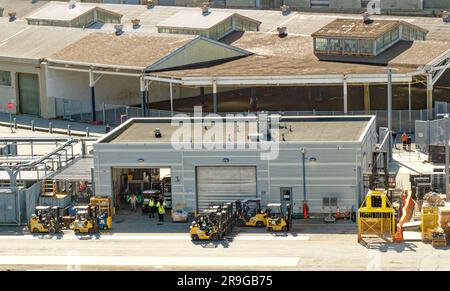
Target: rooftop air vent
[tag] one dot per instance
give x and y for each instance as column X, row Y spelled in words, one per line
column 158, row 133
column 12, row 15
column 282, row 31
column 366, row 18
column 445, row 16
column 136, row 22
column 205, row 8
column 150, row 4
column 119, row 29
column 285, row 9
column 72, row 4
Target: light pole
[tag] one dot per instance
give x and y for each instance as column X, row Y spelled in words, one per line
column 447, row 155
column 305, row 205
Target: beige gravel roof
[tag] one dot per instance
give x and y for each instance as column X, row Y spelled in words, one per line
column 126, row 50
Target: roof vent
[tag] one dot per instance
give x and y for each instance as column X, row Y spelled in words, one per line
column 136, row 22
column 150, row 4
column 158, row 133
column 205, row 8
column 366, row 18
column 119, row 29
column 285, row 9
column 445, row 16
column 12, row 15
column 282, row 31
column 72, row 4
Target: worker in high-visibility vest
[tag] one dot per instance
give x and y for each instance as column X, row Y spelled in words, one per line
column 151, row 208
column 161, row 206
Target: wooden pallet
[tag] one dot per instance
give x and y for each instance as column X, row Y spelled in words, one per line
column 439, row 242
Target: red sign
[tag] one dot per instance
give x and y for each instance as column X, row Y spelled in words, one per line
column 10, row 105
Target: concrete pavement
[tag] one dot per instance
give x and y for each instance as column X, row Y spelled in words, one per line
column 311, row 246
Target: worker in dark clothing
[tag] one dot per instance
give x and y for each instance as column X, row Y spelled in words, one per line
column 408, row 142
column 394, row 137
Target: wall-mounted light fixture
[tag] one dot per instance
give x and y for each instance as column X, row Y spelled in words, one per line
column 226, row 160
column 141, row 160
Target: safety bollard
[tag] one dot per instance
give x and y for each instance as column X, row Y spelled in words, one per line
column 88, row 134
column 15, row 123
column 69, row 133
column 32, row 125
column 50, row 128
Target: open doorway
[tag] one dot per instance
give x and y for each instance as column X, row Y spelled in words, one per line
column 137, row 181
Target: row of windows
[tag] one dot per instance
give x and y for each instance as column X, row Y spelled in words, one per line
column 388, row 38
column 5, row 78
column 221, row 29
column 245, row 25
column 344, row 46
column 409, row 33
column 183, row 31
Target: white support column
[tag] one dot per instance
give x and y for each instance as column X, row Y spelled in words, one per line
column 409, row 105
column 430, row 96
column 345, row 95
column 171, row 99
column 143, row 95
column 215, row 96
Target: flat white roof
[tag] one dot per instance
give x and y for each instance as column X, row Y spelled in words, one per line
column 194, row 19
column 60, row 11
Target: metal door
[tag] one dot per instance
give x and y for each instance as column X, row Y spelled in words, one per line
column 222, row 184
column 285, row 196
column 29, row 102
column 440, row 108
column 8, row 208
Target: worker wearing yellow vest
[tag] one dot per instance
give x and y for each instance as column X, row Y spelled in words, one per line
column 151, row 208
column 161, row 206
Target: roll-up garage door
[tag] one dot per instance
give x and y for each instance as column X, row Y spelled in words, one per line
column 221, row 184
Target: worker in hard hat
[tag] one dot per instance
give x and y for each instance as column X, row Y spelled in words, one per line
column 161, row 206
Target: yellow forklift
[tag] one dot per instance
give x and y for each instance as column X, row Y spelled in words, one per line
column 250, row 213
column 277, row 220
column 46, row 219
column 206, row 226
column 86, row 219
column 104, row 211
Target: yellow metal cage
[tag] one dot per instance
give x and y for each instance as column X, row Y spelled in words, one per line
column 376, row 217
column 429, row 222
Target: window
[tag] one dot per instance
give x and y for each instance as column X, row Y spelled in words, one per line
column 329, row 202
column 5, row 78
column 365, row 47
column 336, row 46
column 351, row 46
column 395, row 34
column 321, row 44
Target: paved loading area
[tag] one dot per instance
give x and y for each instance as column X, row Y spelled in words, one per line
column 311, row 245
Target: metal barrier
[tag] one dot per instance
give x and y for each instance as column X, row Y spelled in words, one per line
column 76, row 110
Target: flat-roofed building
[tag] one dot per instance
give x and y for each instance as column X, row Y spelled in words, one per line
column 353, row 37
column 72, row 15
column 213, row 24
column 326, row 156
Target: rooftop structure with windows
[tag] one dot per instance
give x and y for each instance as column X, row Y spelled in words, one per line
column 72, row 14
column 211, row 24
column 358, row 37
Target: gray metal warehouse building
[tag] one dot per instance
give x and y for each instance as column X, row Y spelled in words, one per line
column 333, row 151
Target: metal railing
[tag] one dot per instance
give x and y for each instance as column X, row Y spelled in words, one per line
column 76, row 110
column 81, row 111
